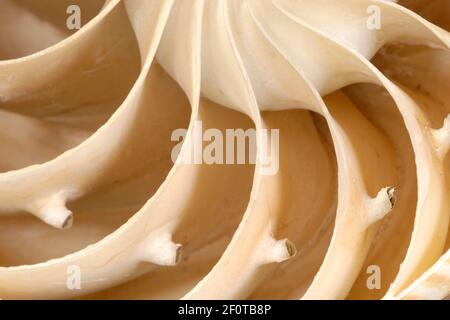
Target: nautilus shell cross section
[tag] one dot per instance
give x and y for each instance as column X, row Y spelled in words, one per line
column 224, row 149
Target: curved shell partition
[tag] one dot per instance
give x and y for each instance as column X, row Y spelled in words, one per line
column 224, row 149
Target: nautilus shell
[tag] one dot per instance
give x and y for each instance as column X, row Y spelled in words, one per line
column 97, row 200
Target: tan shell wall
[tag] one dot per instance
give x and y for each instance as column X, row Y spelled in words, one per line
column 120, row 175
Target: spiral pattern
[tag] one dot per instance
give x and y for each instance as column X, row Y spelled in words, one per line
column 352, row 92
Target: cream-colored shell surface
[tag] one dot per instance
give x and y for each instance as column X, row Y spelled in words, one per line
column 348, row 193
